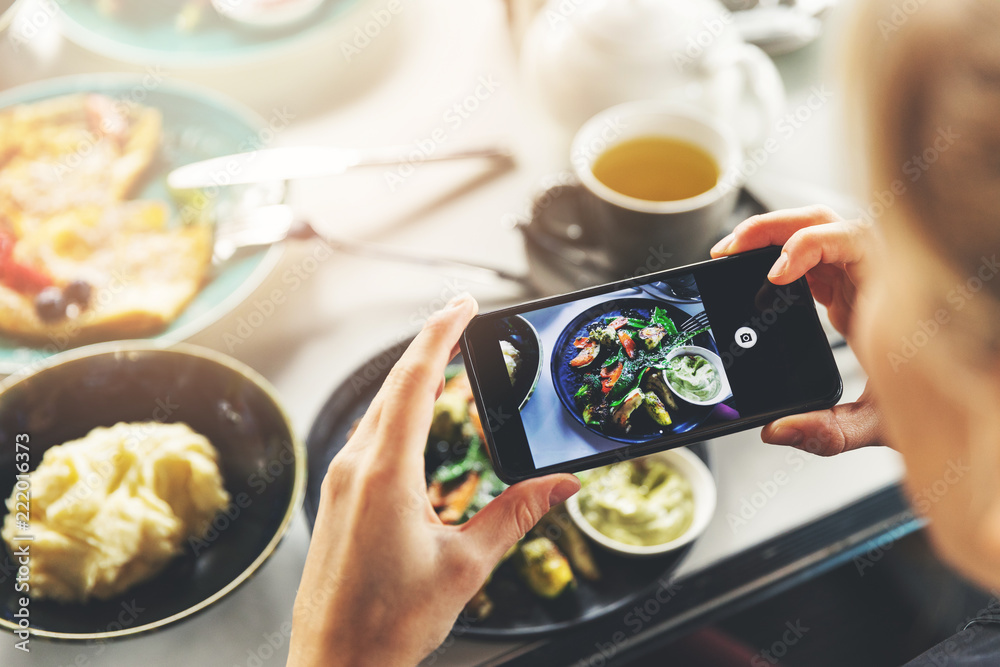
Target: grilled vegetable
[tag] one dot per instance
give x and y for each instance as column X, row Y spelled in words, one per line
column 451, row 410
column 609, row 376
column 557, row 526
column 455, row 500
column 480, row 606
column 603, row 335
column 655, row 383
column 656, row 410
column 624, row 411
column 627, row 343
column 590, row 350
column 651, row 336
column 544, row 568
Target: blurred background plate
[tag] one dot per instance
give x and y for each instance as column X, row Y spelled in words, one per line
column 518, row 612
column 196, row 125
column 160, row 33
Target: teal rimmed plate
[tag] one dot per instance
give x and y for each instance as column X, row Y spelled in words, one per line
column 197, row 125
column 149, row 33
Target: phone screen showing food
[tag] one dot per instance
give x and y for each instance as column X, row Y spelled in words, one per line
column 647, row 363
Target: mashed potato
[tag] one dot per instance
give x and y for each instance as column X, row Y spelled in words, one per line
column 113, row 508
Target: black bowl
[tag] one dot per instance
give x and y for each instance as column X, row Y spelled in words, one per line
column 263, row 467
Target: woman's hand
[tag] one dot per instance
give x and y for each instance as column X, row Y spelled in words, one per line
column 384, row 579
column 830, row 253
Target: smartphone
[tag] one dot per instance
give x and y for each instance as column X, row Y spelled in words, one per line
column 572, row 382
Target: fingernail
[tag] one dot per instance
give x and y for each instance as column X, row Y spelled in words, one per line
column 721, row 246
column 779, row 266
column 785, row 436
column 457, row 301
column 563, row 490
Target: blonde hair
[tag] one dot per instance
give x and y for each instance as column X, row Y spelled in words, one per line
column 928, row 74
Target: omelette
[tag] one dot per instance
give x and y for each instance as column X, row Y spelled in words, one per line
column 79, row 260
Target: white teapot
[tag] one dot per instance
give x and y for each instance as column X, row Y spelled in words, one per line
column 583, row 56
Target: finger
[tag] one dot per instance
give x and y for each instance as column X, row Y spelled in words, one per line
column 772, row 228
column 828, row 432
column 409, row 391
column 509, row 516
column 835, row 243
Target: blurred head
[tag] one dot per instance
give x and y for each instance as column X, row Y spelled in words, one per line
column 927, row 78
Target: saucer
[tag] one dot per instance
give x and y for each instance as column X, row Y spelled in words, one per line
column 562, row 239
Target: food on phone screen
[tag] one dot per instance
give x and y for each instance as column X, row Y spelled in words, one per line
column 511, row 358
column 112, row 509
column 693, row 377
column 616, row 363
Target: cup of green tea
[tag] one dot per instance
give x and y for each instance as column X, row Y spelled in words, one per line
column 664, row 182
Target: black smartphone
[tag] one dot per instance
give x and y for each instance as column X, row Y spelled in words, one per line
column 575, row 381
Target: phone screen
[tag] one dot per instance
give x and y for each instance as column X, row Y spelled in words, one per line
column 572, row 382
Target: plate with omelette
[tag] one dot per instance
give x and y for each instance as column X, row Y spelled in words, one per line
column 93, row 246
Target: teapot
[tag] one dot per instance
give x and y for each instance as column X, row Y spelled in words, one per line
column 583, row 56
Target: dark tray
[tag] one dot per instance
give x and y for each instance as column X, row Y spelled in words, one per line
column 517, row 613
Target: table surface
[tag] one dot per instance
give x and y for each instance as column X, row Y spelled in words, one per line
column 399, row 90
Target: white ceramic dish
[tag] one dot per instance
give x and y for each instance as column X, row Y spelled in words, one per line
column 702, row 488
column 724, row 390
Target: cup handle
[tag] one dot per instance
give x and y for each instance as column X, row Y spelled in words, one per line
column 764, row 87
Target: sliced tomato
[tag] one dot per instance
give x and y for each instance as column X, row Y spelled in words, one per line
column 618, row 323
column 587, row 354
column 627, row 343
column 23, row 278
column 610, row 375
column 15, row 275
column 581, row 342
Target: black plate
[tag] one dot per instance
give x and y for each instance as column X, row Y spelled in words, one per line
column 517, row 612
column 567, row 380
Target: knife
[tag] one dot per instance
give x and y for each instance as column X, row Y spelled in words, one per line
column 283, row 164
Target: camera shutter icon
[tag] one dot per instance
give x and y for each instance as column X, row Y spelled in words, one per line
column 746, row 337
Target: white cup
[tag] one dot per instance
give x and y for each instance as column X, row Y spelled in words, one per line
column 636, row 230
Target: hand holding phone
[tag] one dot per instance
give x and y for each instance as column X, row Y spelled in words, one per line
column 831, row 253
column 626, row 369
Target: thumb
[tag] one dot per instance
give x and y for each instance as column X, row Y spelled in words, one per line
column 827, row 432
column 509, row 516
